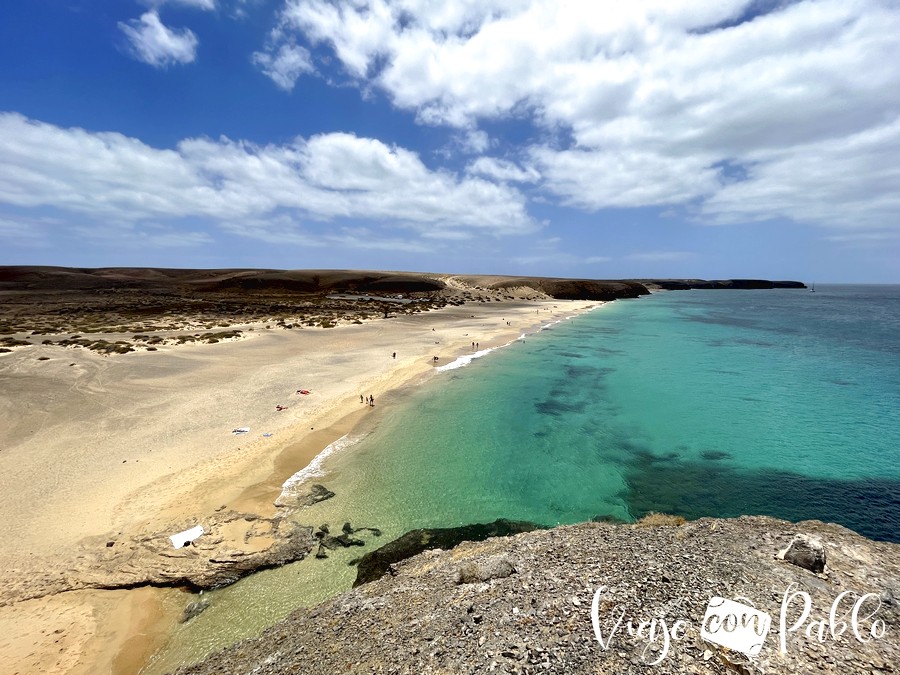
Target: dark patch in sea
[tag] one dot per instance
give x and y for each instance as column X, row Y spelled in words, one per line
column 607, row 351
column 555, row 407
column 574, row 372
column 715, row 455
column 844, row 383
column 647, row 457
column 695, row 489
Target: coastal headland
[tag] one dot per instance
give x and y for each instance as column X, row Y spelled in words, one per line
column 124, row 396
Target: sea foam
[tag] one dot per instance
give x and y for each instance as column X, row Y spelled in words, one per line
column 316, row 467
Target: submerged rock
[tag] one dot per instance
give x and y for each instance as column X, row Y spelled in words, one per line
column 313, row 494
column 194, row 609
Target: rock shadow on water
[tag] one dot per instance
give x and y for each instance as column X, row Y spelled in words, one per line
column 696, row 489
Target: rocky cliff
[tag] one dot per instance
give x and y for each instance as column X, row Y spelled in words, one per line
column 603, row 598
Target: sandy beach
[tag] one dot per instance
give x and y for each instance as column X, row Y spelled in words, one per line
column 99, row 448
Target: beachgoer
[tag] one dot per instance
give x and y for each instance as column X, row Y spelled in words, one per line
column 395, row 355
column 360, row 398
column 371, row 400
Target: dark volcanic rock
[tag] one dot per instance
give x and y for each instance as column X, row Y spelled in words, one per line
column 375, row 564
column 740, row 284
column 539, row 619
column 586, row 289
column 747, row 284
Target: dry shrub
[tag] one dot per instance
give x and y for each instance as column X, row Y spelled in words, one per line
column 654, row 519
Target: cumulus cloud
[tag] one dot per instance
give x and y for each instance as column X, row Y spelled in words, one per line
column 284, row 64
column 475, row 141
column 502, row 170
column 247, row 188
column 721, row 106
column 848, row 181
column 158, row 45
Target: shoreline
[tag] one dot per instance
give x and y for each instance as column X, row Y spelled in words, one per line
column 248, row 476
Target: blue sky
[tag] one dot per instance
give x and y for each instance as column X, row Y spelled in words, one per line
column 660, row 138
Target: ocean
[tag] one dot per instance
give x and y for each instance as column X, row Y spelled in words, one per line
column 697, row 403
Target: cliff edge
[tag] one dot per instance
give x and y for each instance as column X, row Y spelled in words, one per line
column 603, row 598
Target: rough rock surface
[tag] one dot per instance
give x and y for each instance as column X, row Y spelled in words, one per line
column 375, row 564
column 805, row 552
column 151, row 560
column 538, row 618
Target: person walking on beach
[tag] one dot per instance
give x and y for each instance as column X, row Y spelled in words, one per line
column 395, row 355
column 360, row 398
column 371, row 400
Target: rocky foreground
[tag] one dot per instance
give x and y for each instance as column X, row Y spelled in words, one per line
column 603, row 598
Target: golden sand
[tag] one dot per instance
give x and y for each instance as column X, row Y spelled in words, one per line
column 99, row 446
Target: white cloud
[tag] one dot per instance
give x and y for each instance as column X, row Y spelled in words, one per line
column 154, row 43
column 660, row 102
column 206, row 5
column 476, row 141
column 111, row 178
column 849, row 181
column 284, row 64
column 596, row 179
column 503, row 170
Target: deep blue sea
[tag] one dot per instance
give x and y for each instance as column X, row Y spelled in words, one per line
column 698, row 403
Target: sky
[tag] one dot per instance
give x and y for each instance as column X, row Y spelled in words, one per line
column 577, row 138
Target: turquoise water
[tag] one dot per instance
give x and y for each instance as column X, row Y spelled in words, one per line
column 699, row 403
column 717, row 403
